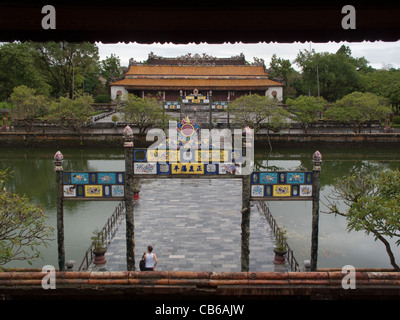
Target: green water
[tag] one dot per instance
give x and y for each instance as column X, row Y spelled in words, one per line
column 34, row 176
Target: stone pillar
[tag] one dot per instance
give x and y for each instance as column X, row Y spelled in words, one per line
column 210, row 106
column 130, row 224
column 227, row 111
column 315, row 209
column 180, row 109
column 245, row 226
column 58, row 160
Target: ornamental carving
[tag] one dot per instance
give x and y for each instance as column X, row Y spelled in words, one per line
column 197, row 59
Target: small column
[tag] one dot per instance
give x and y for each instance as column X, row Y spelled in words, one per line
column 58, row 161
column 130, row 224
column 245, row 224
column 180, row 109
column 227, row 111
column 210, row 107
column 317, row 160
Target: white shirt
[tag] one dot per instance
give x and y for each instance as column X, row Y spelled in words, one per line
column 150, row 260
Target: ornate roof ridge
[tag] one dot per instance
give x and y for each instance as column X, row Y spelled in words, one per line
column 195, row 59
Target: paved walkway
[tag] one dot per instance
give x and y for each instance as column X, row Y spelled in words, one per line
column 193, row 225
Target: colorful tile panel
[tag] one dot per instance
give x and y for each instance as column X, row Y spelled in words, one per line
column 187, row 155
column 93, row 185
column 145, row 168
column 187, row 168
column 281, row 185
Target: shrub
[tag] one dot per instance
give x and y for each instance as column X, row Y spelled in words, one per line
column 103, row 98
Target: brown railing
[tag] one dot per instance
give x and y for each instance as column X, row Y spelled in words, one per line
column 292, row 262
column 106, row 235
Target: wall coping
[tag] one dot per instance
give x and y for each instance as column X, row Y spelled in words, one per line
column 306, row 285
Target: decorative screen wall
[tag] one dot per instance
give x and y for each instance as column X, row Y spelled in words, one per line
column 94, row 185
column 278, row 185
column 183, row 161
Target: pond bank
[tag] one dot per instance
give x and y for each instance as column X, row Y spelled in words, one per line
column 109, row 139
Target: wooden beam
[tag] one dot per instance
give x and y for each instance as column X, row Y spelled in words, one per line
column 249, row 21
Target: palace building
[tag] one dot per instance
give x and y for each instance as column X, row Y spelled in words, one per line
column 196, row 79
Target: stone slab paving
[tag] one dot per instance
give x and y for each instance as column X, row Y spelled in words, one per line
column 193, row 225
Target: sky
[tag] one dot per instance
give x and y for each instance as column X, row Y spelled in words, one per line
column 379, row 54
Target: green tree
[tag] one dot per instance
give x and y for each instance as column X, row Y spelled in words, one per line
column 67, row 64
column 332, row 75
column 19, row 65
column 358, row 108
column 306, row 109
column 257, row 112
column 110, row 68
column 22, row 226
column 70, row 113
column 370, row 203
column 282, row 70
column 144, row 113
column 27, row 106
column 385, row 83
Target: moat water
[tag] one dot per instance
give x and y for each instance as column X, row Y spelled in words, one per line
column 33, row 175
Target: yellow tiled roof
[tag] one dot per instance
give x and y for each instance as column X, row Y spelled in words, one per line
column 201, row 77
column 154, row 83
column 197, row 70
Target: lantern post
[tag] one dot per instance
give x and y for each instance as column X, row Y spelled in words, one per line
column 317, row 160
column 58, row 161
column 129, row 216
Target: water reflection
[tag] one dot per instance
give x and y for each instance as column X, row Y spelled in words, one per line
column 34, row 176
column 337, row 247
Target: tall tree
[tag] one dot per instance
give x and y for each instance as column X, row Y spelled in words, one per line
column 110, row 68
column 19, row 65
column 328, row 75
column 67, row 64
column 282, row 70
column 385, row 83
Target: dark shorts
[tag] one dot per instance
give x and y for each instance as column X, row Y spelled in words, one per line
column 148, row 269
